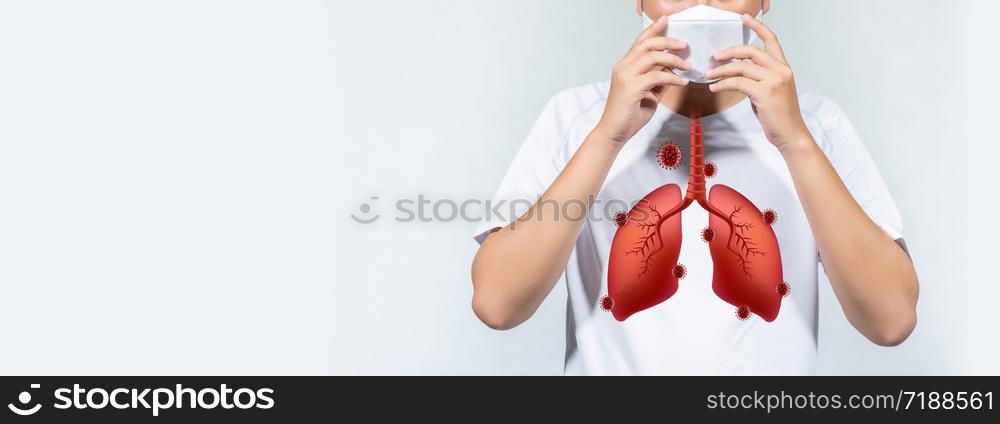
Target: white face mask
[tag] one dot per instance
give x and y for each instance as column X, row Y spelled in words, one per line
column 707, row 30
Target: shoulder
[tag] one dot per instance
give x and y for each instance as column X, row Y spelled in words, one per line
column 567, row 117
column 820, row 108
column 583, row 96
column 827, row 122
column 836, row 136
column 570, row 105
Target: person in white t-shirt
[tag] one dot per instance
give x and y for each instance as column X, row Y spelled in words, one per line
column 595, row 146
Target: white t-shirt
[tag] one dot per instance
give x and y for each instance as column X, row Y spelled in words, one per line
column 694, row 332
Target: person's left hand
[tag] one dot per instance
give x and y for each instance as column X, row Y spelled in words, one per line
column 769, row 82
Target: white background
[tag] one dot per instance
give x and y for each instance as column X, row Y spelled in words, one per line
column 177, row 177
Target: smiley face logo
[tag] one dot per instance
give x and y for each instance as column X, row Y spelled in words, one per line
column 25, row 398
column 366, row 210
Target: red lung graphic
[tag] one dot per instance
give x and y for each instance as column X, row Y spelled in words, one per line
column 643, row 271
column 750, row 277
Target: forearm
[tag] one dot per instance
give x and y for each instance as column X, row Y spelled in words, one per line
column 872, row 276
column 518, row 266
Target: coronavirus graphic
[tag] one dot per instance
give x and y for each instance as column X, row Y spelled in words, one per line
column 669, row 156
column 680, row 271
column 770, row 217
column 708, row 235
column 784, row 289
column 643, row 266
column 711, row 170
column 621, row 219
column 743, row 313
column 607, row 304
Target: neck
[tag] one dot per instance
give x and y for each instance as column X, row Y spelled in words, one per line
column 697, row 100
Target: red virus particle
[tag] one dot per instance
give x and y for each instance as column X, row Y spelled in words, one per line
column 607, row 304
column 621, row 219
column 680, row 271
column 770, row 217
column 711, row 170
column 669, row 156
column 783, row 289
column 708, row 235
column 743, row 313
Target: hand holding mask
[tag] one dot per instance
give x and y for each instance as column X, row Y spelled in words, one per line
column 707, row 31
column 721, row 53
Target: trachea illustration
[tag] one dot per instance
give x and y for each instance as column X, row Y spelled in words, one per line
column 644, row 271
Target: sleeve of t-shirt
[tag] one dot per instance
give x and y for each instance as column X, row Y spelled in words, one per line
column 535, row 168
column 849, row 156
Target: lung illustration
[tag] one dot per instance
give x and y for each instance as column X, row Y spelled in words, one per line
column 643, row 270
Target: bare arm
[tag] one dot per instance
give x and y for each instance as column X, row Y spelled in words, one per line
column 517, row 267
column 871, row 274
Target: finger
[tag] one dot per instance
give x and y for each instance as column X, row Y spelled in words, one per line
column 771, row 43
column 657, row 28
column 741, row 69
column 660, row 44
column 661, row 60
column 661, row 78
column 655, row 44
column 658, row 93
column 741, row 84
column 753, row 53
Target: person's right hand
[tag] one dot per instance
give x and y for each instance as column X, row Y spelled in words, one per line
column 639, row 82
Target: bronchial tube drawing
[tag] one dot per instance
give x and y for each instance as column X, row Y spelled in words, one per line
column 644, row 272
